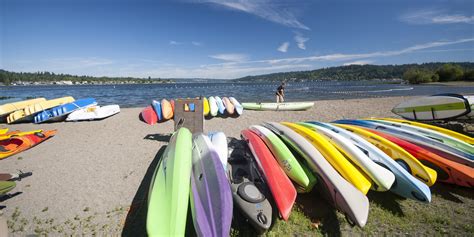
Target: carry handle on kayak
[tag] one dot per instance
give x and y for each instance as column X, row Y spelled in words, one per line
column 189, row 113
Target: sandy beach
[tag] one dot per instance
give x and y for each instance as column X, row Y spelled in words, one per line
column 92, row 177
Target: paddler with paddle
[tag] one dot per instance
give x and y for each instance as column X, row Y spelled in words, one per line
column 280, row 93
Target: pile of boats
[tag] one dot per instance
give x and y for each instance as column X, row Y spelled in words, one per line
column 14, row 142
column 343, row 160
column 164, row 110
column 40, row 110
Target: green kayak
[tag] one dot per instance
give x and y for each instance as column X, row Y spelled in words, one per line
column 286, row 159
column 6, row 186
column 169, row 190
column 278, row 106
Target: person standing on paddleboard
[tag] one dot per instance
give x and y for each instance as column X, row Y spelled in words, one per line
column 280, row 93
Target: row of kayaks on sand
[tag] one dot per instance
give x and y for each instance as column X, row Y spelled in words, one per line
column 14, row 142
column 40, row 110
column 343, row 160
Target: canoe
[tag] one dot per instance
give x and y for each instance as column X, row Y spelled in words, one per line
column 283, row 191
column 6, row 186
column 18, row 134
column 168, row 196
column 238, row 107
column 382, row 178
column 229, row 107
column 27, row 114
column 11, row 107
column 15, row 145
column 249, row 191
column 213, row 109
column 148, row 115
column 157, row 108
column 210, row 196
column 286, row 106
column 448, row 132
column 448, row 171
column 405, row 184
column 450, row 141
column 219, row 140
column 283, row 155
column 205, row 106
column 60, row 112
column 437, row 107
column 335, row 158
column 94, row 113
column 338, row 191
column 220, row 105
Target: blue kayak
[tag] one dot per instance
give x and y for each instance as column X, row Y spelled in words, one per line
column 157, row 107
column 59, row 113
column 220, row 105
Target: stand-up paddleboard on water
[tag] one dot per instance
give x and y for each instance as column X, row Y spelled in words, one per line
column 286, row 106
column 94, row 113
column 148, row 115
column 338, row 191
column 210, row 196
column 435, row 107
column 168, row 197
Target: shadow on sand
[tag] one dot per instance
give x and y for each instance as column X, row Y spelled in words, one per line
column 448, row 192
column 388, row 201
column 158, row 137
column 135, row 223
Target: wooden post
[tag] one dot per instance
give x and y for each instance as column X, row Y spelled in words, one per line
column 189, row 113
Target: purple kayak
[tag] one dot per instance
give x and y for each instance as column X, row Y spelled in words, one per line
column 211, row 196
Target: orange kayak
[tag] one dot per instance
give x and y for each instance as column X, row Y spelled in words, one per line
column 15, row 144
column 17, row 133
column 166, row 109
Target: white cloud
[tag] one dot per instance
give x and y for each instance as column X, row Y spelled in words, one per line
column 232, row 57
column 434, row 16
column 284, row 47
column 172, row 42
column 300, row 41
column 271, row 10
column 359, row 62
column 195, row 43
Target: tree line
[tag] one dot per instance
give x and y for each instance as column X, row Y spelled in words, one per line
column 7, row 78
column 369, row 72
column 446, row 72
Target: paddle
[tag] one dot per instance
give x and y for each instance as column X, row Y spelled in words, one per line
column 14, row 177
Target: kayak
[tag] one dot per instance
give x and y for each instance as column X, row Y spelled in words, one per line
column 210, row 196
column 338, row 191
column 283, row 191
column 3, row 130
column 229, row 107
column 94, row 113
column 6, row 186
column 335, row 158
column 285, row 158
column 157, row 107
column 237, row 106
column 59, row 113
column 448, row 132
column 169, row 188
column 27, row 114
column 220, row 105
column 148, row 115
column 383, row 179
column 11, row 107
column 18, row 134
column 14, row 145
column 205, row 106
column 286, row 106
column 219, row 141
column 213, row 109
column 405, row 184
column 166, row 109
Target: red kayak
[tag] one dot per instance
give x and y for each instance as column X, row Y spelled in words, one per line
column 149, row 115
column 448, row 171
column 283, row 191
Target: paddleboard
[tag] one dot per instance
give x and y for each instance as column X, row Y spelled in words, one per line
column 435, row 107
column 283, row 191
column 94, row 113
column 338, row 191
column 213, row 108
column 210, row 196
column 286, row 106
column 168, row 196
column 149, row 115
column 219, row 140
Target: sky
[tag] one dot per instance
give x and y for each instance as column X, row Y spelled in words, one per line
column 228, row 38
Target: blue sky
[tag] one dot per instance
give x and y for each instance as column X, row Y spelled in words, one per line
column 228, row 39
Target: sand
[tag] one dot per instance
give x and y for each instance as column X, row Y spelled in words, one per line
column 86, row 178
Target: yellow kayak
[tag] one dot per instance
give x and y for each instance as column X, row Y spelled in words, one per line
column 3, row 130
column 18, row 134
column 334, row 157
column 405, row 159
column 205, row 105
column 10, row 107
column 445, row 131
column 28, row 112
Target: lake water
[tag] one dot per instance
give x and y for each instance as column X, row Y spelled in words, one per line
column 141, row 95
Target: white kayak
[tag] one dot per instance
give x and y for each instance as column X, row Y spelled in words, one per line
column 219, row 140
column 94, row 113
column 279, row 106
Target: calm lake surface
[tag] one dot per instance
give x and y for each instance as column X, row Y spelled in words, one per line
column 141, row 95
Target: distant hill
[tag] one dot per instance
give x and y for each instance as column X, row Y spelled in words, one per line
column 351, row 72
